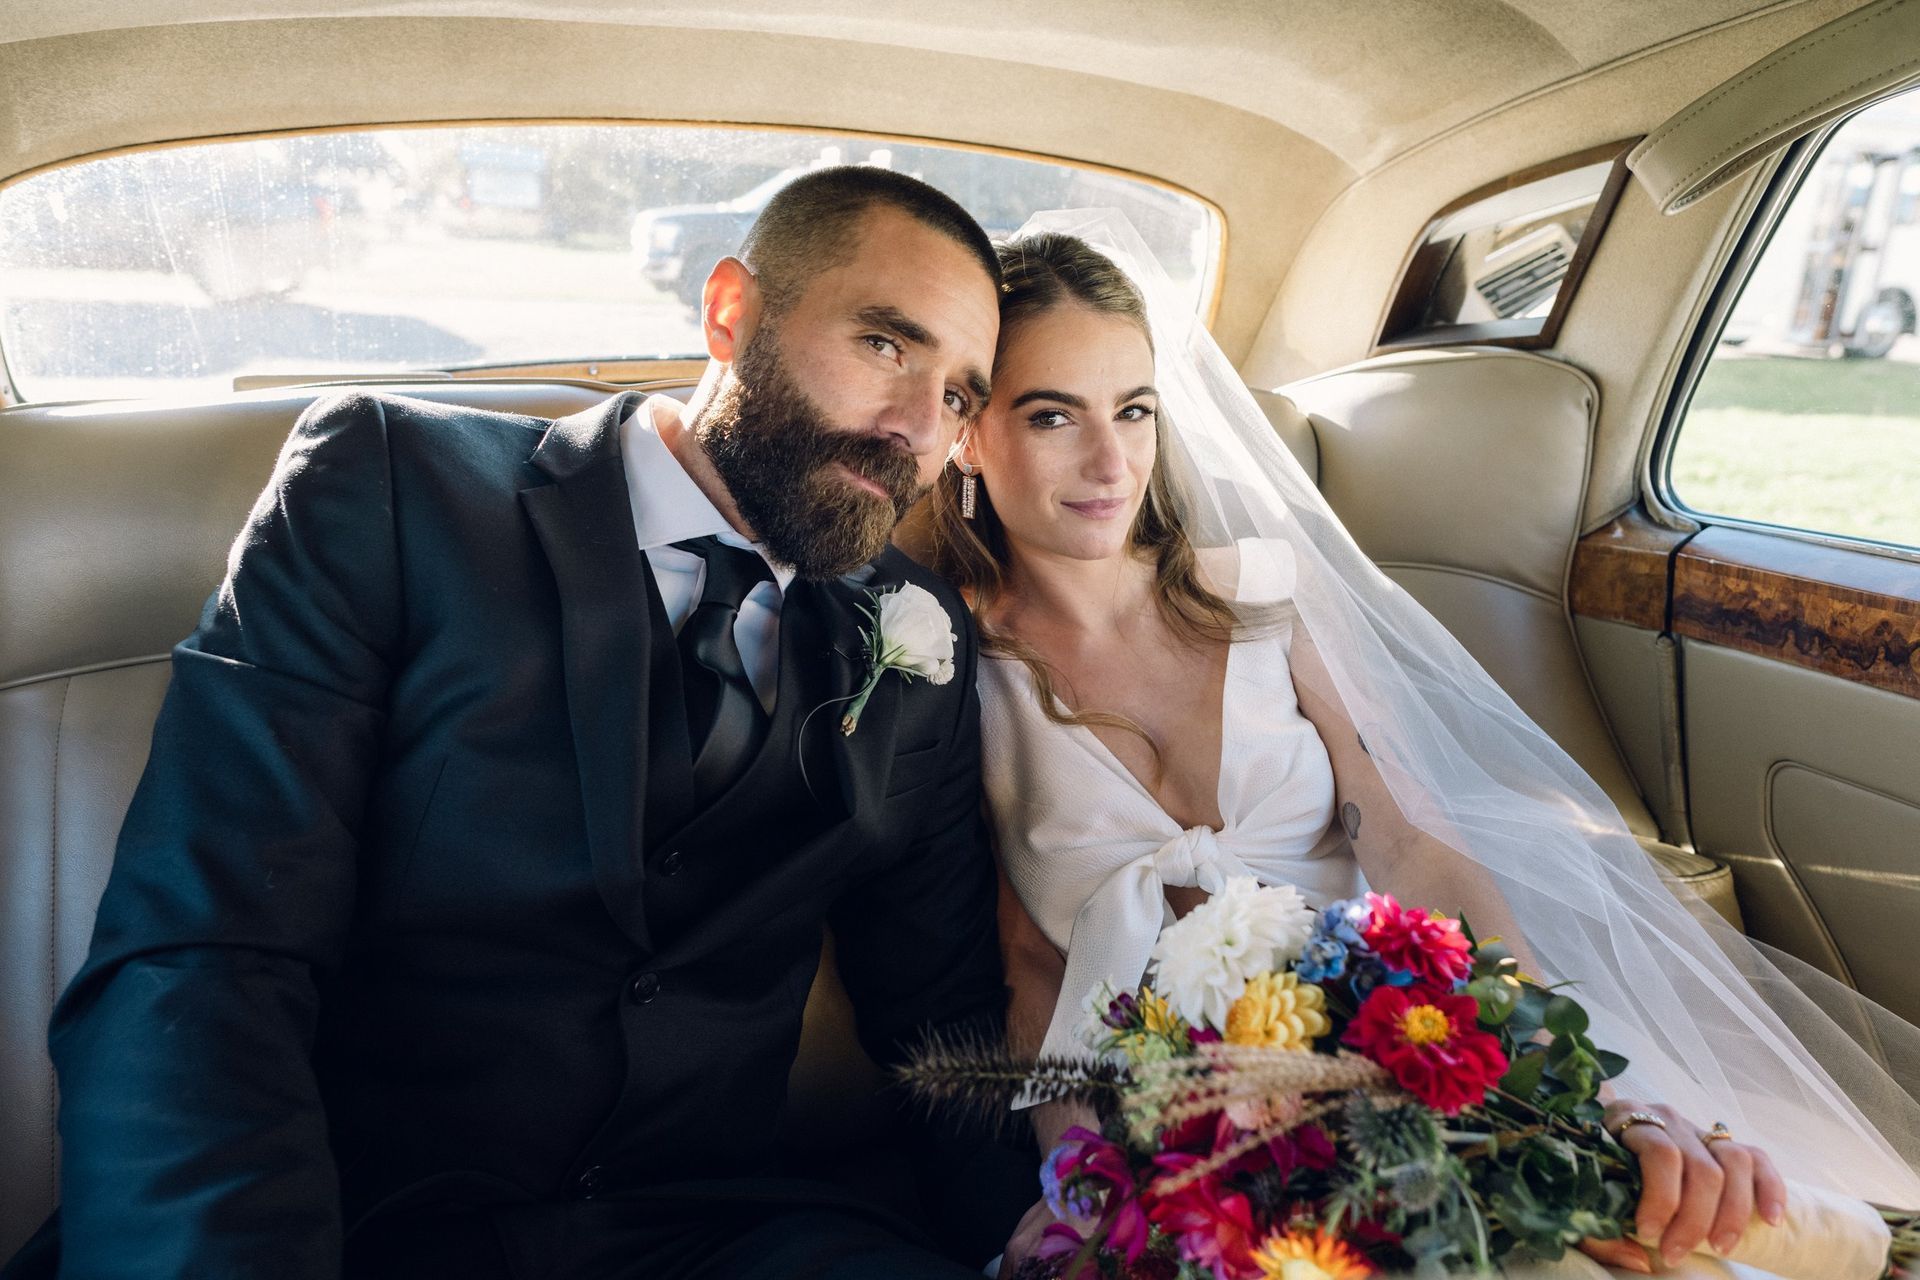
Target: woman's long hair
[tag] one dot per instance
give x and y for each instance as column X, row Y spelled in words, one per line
column 1042, row 272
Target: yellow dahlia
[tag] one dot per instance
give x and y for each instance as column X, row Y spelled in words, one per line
column 1295, row 1255
column 1278, row 1011
column 1157, row 1017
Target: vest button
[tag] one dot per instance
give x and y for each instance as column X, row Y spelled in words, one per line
column 671, row 864
column 643, row 987
column 590, row 1181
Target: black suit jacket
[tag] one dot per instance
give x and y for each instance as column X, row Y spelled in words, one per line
column 376, row 933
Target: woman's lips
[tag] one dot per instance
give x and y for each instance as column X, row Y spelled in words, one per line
column 1098, row 508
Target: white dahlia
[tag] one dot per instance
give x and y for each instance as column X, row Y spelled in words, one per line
column 1202, row 962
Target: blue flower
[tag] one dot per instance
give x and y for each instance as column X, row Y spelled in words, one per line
column 1344, row 920
column 1067, row 1205
column 1324, row 959
column 1369, row 973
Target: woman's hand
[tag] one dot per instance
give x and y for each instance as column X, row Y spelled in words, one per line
column 1025, row 1238
column 1691, row 1189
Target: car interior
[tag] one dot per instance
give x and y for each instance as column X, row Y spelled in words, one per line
column 1481, row 262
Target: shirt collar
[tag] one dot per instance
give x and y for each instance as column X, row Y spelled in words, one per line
column 668, row 506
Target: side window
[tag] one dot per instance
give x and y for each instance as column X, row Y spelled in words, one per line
column 1500, row 265
column 1807, row 414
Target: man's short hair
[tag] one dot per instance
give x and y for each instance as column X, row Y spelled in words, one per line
column 812, row 225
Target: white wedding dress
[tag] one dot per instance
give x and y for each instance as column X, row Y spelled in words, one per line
column 1091, row 853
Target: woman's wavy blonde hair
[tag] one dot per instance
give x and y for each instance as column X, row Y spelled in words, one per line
column 1042, row 272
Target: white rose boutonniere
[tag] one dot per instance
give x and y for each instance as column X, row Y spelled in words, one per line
column 910, row 634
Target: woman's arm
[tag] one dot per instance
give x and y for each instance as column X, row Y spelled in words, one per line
column 1035, row 969
column 1396, row 856
column 1692, row 1190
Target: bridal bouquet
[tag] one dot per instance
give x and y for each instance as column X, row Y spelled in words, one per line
column 1301, row 1095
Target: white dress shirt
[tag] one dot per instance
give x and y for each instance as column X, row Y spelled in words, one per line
column 668, row 507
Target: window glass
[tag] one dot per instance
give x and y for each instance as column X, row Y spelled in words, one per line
column 1807, row 414
column 175, row 270
column 1492, row 267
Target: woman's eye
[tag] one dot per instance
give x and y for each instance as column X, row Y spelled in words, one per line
column 1138, row 413
column 882, row 346
column 1048, row 418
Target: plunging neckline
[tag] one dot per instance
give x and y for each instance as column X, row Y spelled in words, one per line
column 1093, row 743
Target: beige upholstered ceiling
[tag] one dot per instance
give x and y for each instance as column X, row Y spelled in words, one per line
column 1364, row 80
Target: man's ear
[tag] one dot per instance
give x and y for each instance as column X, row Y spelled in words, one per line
column 729, row 308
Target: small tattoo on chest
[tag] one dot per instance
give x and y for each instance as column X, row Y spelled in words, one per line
column 1350, row 819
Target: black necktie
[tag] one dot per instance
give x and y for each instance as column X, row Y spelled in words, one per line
column 725, row 721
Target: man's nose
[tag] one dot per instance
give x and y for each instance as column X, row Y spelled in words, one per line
column 916, row 414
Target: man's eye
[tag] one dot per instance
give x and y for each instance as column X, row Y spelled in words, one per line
column 958, row 402
column 882, row 346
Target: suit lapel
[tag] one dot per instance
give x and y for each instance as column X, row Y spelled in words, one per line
column 584, row 520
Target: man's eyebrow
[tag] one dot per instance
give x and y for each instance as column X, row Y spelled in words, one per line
column 897, row 321
column 1043, row 393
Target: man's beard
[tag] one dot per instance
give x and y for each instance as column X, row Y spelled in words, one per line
column 780, row 460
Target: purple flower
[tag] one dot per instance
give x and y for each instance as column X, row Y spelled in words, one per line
column 1070, row 1204
column 1122, row 1013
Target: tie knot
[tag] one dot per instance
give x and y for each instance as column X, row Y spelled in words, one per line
column 731, row 571
column 1192, row 858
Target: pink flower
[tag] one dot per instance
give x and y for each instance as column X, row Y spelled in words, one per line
column 1091, row 1166
column 1431, row 947
column 1211, row 1225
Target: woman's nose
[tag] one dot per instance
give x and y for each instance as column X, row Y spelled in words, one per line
column 1106, row 461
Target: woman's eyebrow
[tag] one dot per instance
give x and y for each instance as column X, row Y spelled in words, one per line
column 1042, row 393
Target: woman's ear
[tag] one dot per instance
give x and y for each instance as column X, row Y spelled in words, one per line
column 962, row 453
column 729, row 308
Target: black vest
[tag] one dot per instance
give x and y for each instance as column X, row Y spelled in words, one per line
column 698, row 856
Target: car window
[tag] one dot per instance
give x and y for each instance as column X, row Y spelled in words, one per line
column 176, row 270
column 1807, row 414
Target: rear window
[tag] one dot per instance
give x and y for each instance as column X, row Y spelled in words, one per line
column 178, row 270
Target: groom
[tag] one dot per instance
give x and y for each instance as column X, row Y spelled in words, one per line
column 464, row 917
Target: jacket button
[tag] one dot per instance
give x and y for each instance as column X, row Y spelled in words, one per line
column 671, row 864
column 590, row 1181
column 643, row 987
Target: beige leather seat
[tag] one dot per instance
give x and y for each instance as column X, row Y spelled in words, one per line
column 1462, row 474
column 114, row 527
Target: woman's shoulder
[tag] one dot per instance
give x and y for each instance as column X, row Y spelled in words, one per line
column 1249, row 570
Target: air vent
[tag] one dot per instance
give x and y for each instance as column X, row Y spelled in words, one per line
column 1529, row 272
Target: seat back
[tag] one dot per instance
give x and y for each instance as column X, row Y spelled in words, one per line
column 115, row 521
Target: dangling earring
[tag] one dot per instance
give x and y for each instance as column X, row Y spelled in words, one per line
column 969, row 483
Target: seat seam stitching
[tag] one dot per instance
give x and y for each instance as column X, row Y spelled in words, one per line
column 53, row 941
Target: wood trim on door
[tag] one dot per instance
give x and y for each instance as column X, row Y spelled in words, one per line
column 1851, row 614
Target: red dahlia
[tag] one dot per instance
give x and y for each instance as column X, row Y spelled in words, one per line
column 1431, row 1043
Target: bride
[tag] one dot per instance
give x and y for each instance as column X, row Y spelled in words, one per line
column 1194, row 673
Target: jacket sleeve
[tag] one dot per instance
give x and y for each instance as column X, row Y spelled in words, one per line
column 195, row 1143
column 919, row 953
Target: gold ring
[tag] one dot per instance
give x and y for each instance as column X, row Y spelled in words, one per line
column 1719, row 1133
column 1633, row 1118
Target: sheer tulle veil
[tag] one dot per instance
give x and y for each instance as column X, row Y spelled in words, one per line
column 1719, row 1026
